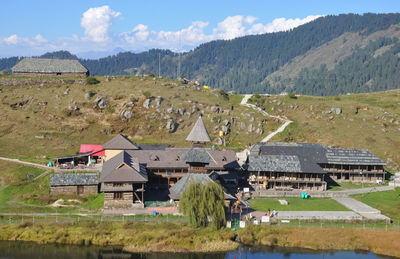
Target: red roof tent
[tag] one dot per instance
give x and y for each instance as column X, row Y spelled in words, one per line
column 97, row 150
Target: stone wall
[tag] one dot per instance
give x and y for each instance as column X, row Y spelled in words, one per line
column 73, row 189
column 110, row 203
column 50, row 74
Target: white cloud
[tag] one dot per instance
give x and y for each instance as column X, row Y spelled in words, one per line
column 280, row 24
column 233, row 27
column 96, row 22
column 12, row 40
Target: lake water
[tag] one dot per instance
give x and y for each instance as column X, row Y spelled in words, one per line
column 17, row 250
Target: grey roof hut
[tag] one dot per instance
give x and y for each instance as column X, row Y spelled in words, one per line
column 120, row 142
column 49, row 67
column 199, row 135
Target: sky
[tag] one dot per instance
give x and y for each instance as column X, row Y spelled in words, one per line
column 91, row 28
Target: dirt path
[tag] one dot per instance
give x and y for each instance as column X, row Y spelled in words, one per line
column 45, row 167
column 286, row 122
column 242, row 156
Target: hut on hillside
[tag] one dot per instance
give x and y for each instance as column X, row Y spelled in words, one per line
column 42, row 67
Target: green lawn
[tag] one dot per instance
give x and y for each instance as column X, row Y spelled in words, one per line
column 297, row 204
column 349, row 185
column 388, row 202
column 20, row 193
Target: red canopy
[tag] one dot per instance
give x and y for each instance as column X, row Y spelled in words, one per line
column 97, row 150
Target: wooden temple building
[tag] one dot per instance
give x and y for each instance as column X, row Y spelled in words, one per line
column 310, row 167
column 131, row 171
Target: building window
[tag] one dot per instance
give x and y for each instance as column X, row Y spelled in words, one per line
column 118, row 195
column 117, row 185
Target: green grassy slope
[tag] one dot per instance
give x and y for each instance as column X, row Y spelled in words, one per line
column 376, row 126
column 64, row 130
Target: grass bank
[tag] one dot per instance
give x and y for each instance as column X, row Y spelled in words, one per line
column 377, row 241
column 134, row 237
column 388, row 202
column 297, row 204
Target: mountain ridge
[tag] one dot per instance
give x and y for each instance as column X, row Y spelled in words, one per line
column 248, row 64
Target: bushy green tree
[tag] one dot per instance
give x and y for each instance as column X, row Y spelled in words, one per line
column 92, row 80
column 201, row 203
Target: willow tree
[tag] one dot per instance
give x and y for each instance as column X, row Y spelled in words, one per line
column 203, row 205
column 212, row 204
column 189, row 204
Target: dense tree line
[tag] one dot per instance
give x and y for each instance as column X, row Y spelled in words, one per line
column 242, row 64
column 363, row 71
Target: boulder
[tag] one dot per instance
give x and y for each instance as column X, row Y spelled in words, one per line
column 127, row 114
column 159, row 100
column 194, row 108
column 219, row 142
column 226, row 122
column 146, row 103
column 242, row 125
column 97, row 99
column 66, row 92
column 338, row 111
column 89, row 95
column 250, row 128
column 171, row 126
column 181, row 111
column 103, row 103
column 225, row 129
column 170, row 110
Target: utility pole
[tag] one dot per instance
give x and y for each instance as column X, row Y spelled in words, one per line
column 159, row 66
column 178, row 72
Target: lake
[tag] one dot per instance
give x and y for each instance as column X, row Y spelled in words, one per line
column 17, row 250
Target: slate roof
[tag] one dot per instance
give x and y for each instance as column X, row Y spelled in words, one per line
column 308, row 152
column 152, row 147
column 199, row 132
column 73, row 179
column 283, row 163
column 179, row 187
column 123, row 168
column 290, row 157
column 343, row 156
column 197, row 155
column 120, row 142
column 42, row 65
column 174, row 158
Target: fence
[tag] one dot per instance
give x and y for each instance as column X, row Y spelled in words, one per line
column 75, row 218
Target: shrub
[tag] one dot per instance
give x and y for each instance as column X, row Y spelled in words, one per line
column 92, row 80
column 147, row 94
column 292, row 95
column 150, row 74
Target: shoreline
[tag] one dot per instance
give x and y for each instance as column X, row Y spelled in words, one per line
column 179, row 238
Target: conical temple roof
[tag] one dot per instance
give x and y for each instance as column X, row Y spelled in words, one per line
column 199, row 132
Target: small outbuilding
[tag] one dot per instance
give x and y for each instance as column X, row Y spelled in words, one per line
column 81, row 184
column 43, row 67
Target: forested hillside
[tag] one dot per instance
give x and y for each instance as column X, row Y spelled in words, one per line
column 246, row 64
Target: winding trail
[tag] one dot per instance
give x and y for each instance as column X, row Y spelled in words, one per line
column 242, row 156
column 272, row 134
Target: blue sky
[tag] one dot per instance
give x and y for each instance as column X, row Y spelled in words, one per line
column 34, row 27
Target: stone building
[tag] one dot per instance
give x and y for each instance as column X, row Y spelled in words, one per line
column 71, row 183
column 42, row 67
